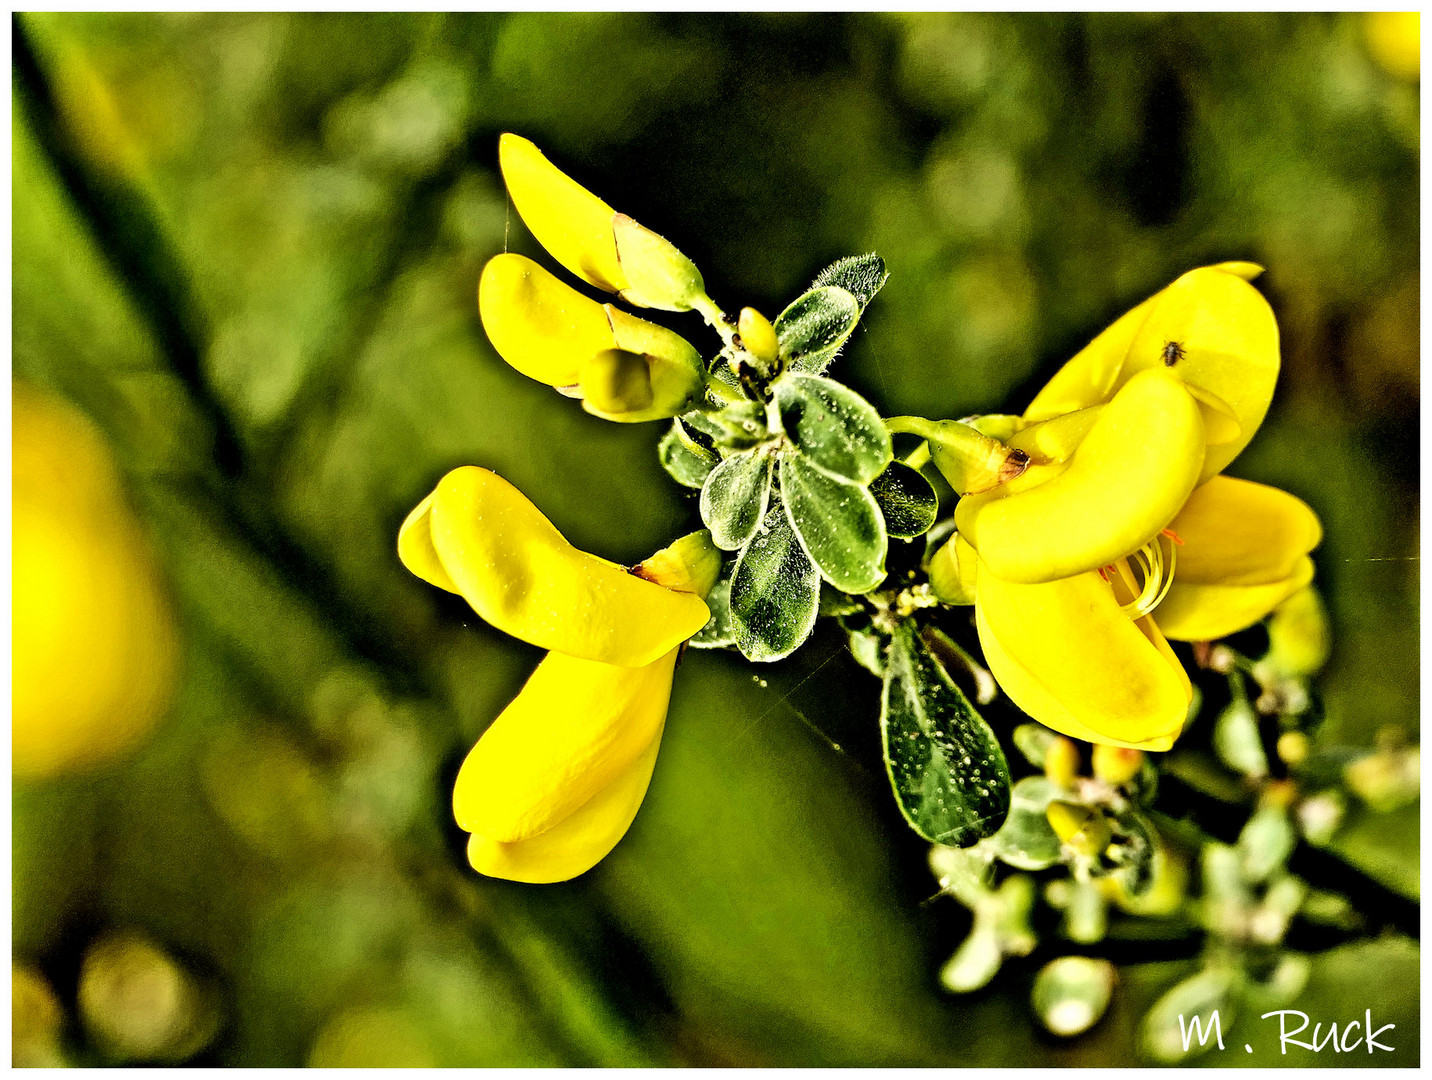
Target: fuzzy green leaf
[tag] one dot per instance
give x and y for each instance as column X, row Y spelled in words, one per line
column 907, row 500
column 815, row 326
column 684, row 458
column 775, row 592
column 948, row 772
column 735, row 496
column 833, row 426
column 860, row 275
column 838, row 524
column 1026, row 840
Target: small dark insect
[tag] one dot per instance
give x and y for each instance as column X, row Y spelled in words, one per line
column 1172, row 353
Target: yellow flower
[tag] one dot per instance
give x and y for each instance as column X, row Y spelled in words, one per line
column 1395, row 41
column 95, row 654
column 557, row 779
column 1121, row 515
column 624, row 368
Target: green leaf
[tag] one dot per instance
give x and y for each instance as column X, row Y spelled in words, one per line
column 719, row 631
column 907, row 500
column 948, row 772
column 685, row 459
column 838, row 524
column 1025, row 840
column 1034, row 741
column 735, row 496
column 860, row 275
column 775, row 592
column 833, row 426
column 815, row 326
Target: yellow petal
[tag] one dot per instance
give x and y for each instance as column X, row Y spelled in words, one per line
column 415, row 546
column 1229, row 341
column 1088, row 376
column 567, row 219
column 1067, row 655
column 1125, row 482
column 1235, row 532
column 543, row 328
column 1194, row 612
column 520, row 574
column 952, row 572
column 576, row 726
column 674, row 377
column 1058, row 437
column 577, row 844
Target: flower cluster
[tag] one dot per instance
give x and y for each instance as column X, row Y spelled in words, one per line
column 1089, row 531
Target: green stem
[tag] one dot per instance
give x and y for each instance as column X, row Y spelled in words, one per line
column 912, row 425
column 715, row 317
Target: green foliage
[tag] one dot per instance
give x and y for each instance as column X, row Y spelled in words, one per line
column 735, row 496
column 907, row 501
column 815, row 326
column 838, row 522
column 833, row 426
column 775, row 592
column 945, row 765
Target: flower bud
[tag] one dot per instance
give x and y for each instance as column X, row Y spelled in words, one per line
column 1117, row 764
column 139, row 1004
column 1083, row 829
column 952, row 572
column 1298, row 639
column 758, row 335
column 1061, row 761
column 657, row 274
column 1071, row 994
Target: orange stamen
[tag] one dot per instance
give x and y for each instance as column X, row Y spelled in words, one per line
column 1172, row 536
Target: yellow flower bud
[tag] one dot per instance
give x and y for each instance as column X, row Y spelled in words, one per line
column 1084, row 829
column 1117, row 764
column 1298, row 637
column 568, row 220
column 1061, row 761
column 758, row 336
column 952, row 572
column 658, row 275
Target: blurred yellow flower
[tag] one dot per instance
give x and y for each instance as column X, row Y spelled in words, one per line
column 557, row 779
column 1121, row 512
column 1395, row 40
column 94, row 646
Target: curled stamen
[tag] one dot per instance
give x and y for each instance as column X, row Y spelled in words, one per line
column 1156, row 570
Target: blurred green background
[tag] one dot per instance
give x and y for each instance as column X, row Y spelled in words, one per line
column 247, row 247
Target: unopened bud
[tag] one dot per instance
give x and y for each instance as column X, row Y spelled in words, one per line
column 657, row 274
column 1082, row 828
column 1061, row 761
column 1071, row 994
column 35, row 1020
column 1298, row 638
column 691, row 564
column 758, row 335
column 1117, row 764
column 952, row 572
